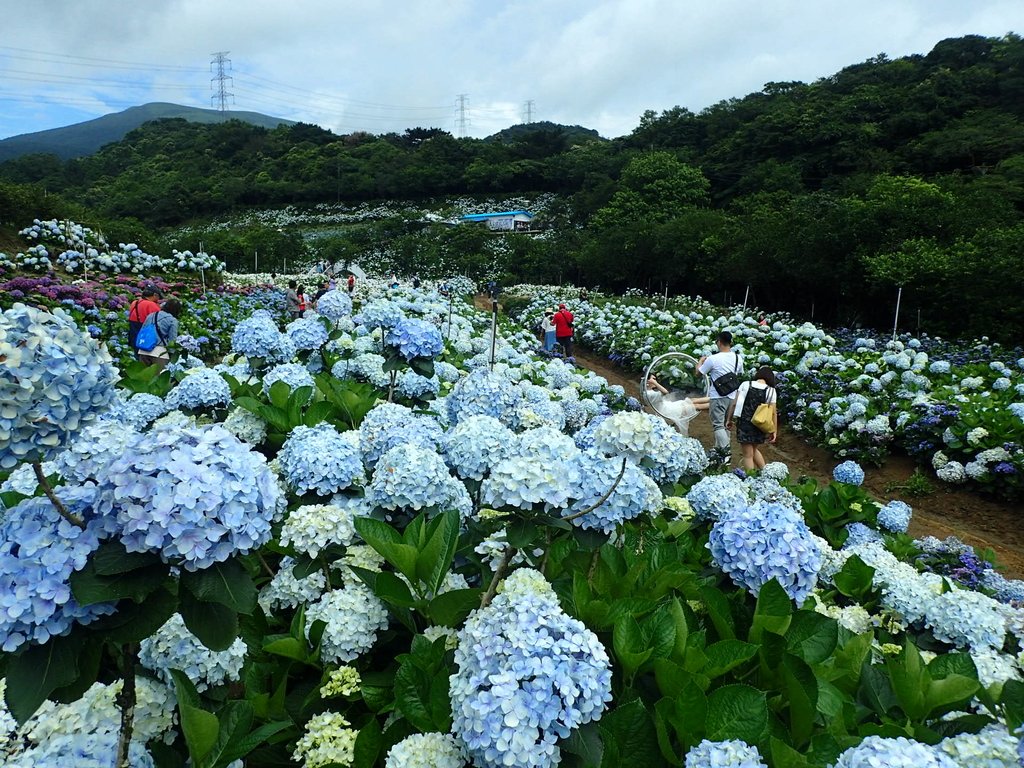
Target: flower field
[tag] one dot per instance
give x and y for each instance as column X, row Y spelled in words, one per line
column 958, row 408
column 375, row 535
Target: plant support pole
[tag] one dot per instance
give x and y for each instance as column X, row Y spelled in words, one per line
column 896, row 322
column 494, row 330
column 745, row 297
column 126, row 703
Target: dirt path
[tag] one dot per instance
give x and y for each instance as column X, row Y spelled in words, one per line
column 976, row 520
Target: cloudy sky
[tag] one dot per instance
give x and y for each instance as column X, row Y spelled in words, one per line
column 361, row 65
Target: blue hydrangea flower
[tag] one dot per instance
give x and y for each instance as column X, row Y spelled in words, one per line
column 380, row 313
column 446, row 371
column 476, row 444
column 992, row 747
column 138, row 411
column 321, row 459
column 858, row 534
column 415, row 387
column 307, row 333
column 767, row 541
column 390, row 425
column 255, row 335
column 724, row 754
column 967, row 619
column 415, row 339
column 848, row 472
column 203, row 388
column 411, row 477
column 195, row 495
column 528, row 674
column 173, row 646
column 282, row 351
column 483, row 393
column 95, row 446
column 895, row 516
column 717, row 495
column 636, row 494
column 55, row 380
column 39, row 551
column 899, row 752
column 295, row 375
column 334, row 305
column 544, row 470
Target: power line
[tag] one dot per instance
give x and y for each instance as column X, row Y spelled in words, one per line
column 107, row 62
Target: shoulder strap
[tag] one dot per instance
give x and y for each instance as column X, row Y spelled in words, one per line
column 156, row 326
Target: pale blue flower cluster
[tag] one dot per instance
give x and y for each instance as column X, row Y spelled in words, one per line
column 415, row 387
column 380, row 313
column 39, row 551
column 426, row 750
column 674, row 457
column 966, row 619
column 295, row 375
column 446, row 371
column 92, row 449
column 483, row 393
column 334, row 305
column 895, row 516
column 634, row 495
column 627, row 433
column 414, row 338
column 858, row 534
column 174, row 647
column 775, row 470
column 540, row 413
column 848, row 472
column 56, row 379
column 723, row 754
column 138, row 411
column 307, row 333
column 717, row 495
column 992, row 747
column 876, row 752
column 286, row 591
column 389, row 425
column 544, row 470
column 255, row 335
column 476, row 445
column 528, row 674
column 411, row 477
column 763, row 542
column 195, row 495
column 321, row 459
column 204, row 388
column 353, row 616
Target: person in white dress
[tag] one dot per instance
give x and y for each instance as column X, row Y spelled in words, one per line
column 676, row 410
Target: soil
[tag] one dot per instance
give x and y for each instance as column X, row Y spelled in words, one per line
column 979, row 521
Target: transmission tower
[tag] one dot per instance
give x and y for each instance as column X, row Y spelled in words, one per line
column 461, row 104
column 528, row 111
column 219, row 82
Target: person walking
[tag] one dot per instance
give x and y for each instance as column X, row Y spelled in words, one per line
column 291, row 297
column 300, row 295
column 140, row 309
column 165, row 322
column 547, row 329
column 563, row 321
column 749, row 396
column 723, row 368
column 351, row 284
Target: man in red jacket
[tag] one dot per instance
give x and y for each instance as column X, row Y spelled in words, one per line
column 563, row 329
column 139, row 310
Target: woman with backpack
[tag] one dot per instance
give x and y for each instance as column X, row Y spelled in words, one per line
column 751, row 430
column 157, row 334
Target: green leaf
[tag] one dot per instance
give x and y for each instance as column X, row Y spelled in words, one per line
column 585, row 743
column 435, row 557
column 38, row 671
column 450, row 609
column 111, row 558
column 726, row 655
column 199, row 726
column 682, row 628
column 629, row 645
column 214, row 624
column 784, row 756
column 1012, row 700
column 659, row 633
column 289, row 648
column 802, row 690
column 317, row 413
column 388, row 544
column 773, row 612
column 421, row 695
column 279, row 394
column 909, row 680
column 368, row 745
column 227, row 583
column 89, row 587
column 630, row 728
column 737, row 712
column 134, row 622
column 812, row 637
column 719, row 612
column 235, row 720
column 855, row 578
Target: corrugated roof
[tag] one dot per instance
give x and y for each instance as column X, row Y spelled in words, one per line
column 482, row 216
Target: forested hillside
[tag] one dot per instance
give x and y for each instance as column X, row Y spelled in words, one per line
column 828, row 195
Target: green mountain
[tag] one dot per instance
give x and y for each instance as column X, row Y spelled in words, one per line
column 86, row 138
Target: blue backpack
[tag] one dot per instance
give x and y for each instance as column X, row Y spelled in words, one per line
column 148, row 336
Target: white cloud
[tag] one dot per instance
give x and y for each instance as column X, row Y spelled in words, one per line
column 352, row 65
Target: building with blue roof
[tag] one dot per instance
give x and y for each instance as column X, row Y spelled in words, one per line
column 501, row 221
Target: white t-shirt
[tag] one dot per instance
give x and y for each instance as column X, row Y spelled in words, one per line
column 741, row 395
column 720, row 364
